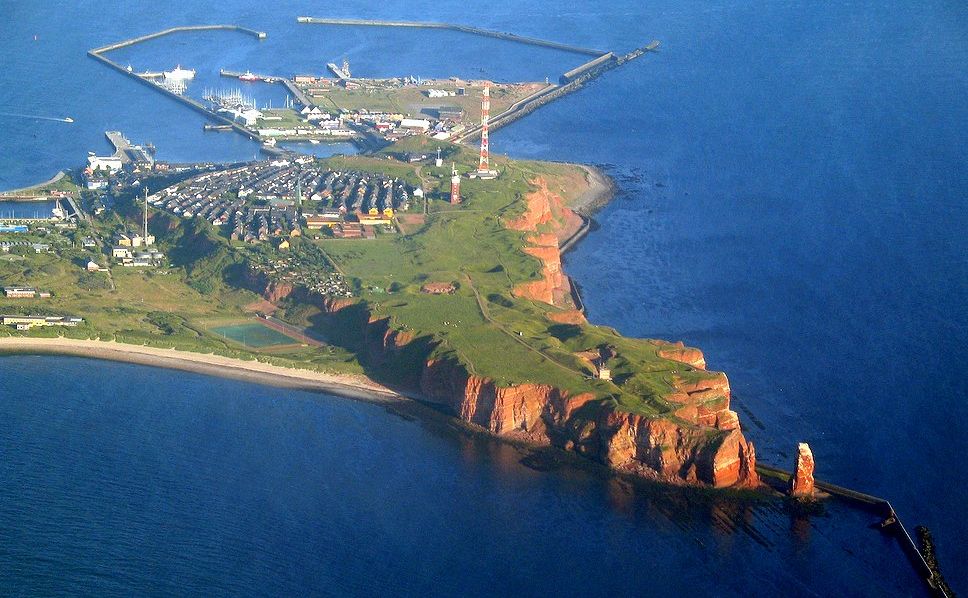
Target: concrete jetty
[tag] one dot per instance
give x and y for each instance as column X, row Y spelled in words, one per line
column 533, row 41
column 143, row 38
column 571, row 81
column 297, row 93
column 891, row 522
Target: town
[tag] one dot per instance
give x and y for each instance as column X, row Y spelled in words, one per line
column 283, row 197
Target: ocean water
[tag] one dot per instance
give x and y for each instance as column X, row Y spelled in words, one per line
column 792, row 184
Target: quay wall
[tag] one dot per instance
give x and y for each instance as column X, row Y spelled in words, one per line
column 453, row 27
column 137, row 40
column 882, row 507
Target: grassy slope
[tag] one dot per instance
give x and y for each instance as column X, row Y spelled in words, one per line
column 167, row 307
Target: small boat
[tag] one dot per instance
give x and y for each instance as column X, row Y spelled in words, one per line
column 248, row 76
column 68, row 120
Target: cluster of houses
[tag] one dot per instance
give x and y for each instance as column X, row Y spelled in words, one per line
column 127, row 257
column 305, row 272
column 262, row 200
column 133, row 251
column 6, row 246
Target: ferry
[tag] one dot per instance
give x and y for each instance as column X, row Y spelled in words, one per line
column 248, row 76
column 179, row 74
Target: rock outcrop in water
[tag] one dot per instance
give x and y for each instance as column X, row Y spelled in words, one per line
column 801, row 484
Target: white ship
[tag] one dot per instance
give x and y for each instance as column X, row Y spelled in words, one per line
column 179, row 74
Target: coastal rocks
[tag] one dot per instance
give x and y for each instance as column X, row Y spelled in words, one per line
column 272, row 291
column 681, row 353
column 554, row 287
column 691, row 454
column 801, row 484
column 653, row 447
column 546, row 211
column 696, row 439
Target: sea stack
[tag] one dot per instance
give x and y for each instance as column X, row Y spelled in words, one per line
column 801, row 484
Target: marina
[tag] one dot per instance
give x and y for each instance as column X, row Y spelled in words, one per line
column 172, row 83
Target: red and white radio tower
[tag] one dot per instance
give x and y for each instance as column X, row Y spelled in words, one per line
column 454, row 185
column 484, row 166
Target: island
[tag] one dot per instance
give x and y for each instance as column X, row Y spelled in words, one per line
column 398, row 276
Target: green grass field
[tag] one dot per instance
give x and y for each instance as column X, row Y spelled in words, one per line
column 255, row 335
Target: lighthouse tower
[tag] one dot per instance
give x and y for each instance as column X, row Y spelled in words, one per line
column 454, row 185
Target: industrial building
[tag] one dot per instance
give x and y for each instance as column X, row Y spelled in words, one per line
column 28, row 322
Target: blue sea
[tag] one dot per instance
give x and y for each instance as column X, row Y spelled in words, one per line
column 792, row 179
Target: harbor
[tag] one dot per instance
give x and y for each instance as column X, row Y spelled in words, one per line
column 367, row 128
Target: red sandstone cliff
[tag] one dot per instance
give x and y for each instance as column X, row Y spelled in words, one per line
column 550, row 222
column 709, row 449
column 802, row 483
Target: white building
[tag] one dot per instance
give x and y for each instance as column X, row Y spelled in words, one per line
column 419, row 124
column 103, row 163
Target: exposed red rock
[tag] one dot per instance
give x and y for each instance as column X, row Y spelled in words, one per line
column 547, row 217
column 716, row 454
column 703, row 444
column 679, row 352
column 801, row 484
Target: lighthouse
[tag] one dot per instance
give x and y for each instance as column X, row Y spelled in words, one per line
column 454, row 184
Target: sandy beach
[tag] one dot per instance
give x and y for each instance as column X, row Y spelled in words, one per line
column 354, row 387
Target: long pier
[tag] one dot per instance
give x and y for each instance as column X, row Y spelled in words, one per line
column 882, row 507
column 299, row 94
column 533, row 41
column 571, row 82
column 50, row 181
column 137, row 40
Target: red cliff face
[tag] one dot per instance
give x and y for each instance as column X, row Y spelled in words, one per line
column 681, row 353
column 801, row 484
column 272, row 291
column 716, row 454
column 545, row 211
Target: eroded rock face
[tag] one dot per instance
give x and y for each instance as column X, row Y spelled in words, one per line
column 716, row 455
column 547, row 217
column 272, row 291
column 679, row 352
column 801, row 484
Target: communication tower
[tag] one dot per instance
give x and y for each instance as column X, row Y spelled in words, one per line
column 484, row 170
